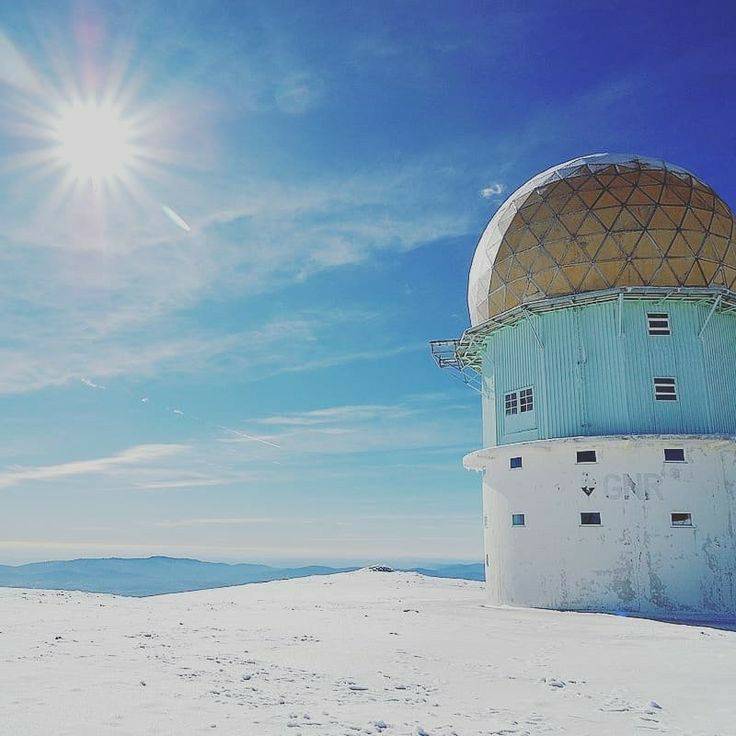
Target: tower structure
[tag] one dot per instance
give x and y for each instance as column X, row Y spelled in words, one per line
column 602, row 299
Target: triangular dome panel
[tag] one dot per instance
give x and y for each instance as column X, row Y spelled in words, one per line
column 598, row 222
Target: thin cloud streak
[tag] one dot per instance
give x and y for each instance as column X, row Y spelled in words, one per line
column 330, row 415
column 139, row 454
column 225, row 521
column 176, row 218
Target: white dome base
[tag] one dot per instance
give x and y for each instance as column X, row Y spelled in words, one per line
column 640, row 559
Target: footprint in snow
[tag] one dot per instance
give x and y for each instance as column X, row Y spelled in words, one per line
column 650, row 711
column 616, row 705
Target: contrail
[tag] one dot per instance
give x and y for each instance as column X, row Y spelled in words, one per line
column 238, row 433
column 190, row 417
column 177, row 219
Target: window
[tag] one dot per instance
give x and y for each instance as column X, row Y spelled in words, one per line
column 665, row 389
column 674, row 455
column 658, row 323
column 590, row 518
column 526, row 400
column 515, row 462
column 586, row 456
column 518, row 520
column 520, row 401
column 682, row 519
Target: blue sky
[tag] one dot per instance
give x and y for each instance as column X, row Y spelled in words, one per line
column 327, row 169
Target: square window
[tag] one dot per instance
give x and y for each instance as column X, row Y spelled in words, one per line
column 515, row 462
column 590, row 518
column 665, row 389
column 526, row 399
column 511, row 403
column 658, row 323
column 518, row 520
column 681, row 519
column 674, row 455
column 586, row 456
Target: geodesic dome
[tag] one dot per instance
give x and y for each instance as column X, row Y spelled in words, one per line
column 597, row 222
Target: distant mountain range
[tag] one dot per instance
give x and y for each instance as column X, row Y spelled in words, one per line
column 157, row 575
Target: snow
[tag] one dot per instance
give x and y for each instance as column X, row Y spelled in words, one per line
column 355, row 653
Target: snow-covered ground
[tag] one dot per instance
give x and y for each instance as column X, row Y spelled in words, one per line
column 356, row 653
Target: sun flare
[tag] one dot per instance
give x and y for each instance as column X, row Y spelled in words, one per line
column 94, row 142
column 97, row 149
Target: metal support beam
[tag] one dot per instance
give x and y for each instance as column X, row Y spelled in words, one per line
column 445, row 354
column 621, row 314
column 710, row 314
column 531, row 319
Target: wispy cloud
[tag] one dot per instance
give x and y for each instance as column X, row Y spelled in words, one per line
column 101, row 287
column 176, row 483
column 298, row 93
column 423, row 520
column 140, row 454
column 416, row 422
column 338, row 414
column 224, row 521
column 92, row 384
column 276, row 346
column 492, row 190
column 119, row 310
column 15, row 69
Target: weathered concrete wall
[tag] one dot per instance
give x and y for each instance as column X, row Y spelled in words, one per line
column 636, row 560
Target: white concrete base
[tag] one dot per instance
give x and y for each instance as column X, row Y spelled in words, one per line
column 636, row 561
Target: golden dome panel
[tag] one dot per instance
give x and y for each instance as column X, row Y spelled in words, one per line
column 598, row 222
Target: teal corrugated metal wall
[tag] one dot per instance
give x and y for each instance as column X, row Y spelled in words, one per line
column 592, row 378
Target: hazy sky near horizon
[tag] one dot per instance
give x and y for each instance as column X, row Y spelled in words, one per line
column 221, row 351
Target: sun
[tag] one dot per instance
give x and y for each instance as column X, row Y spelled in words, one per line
column 94, row 142
column 94, row 150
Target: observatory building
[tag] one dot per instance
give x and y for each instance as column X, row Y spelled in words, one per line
column 602, row 301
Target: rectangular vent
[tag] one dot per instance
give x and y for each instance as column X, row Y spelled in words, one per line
column 586, row 456
column 515, row 462
column 682, row 519
column 658, row 323
column 674, row 455
column 665, row 389
column 590, row 518
column 518, row 520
